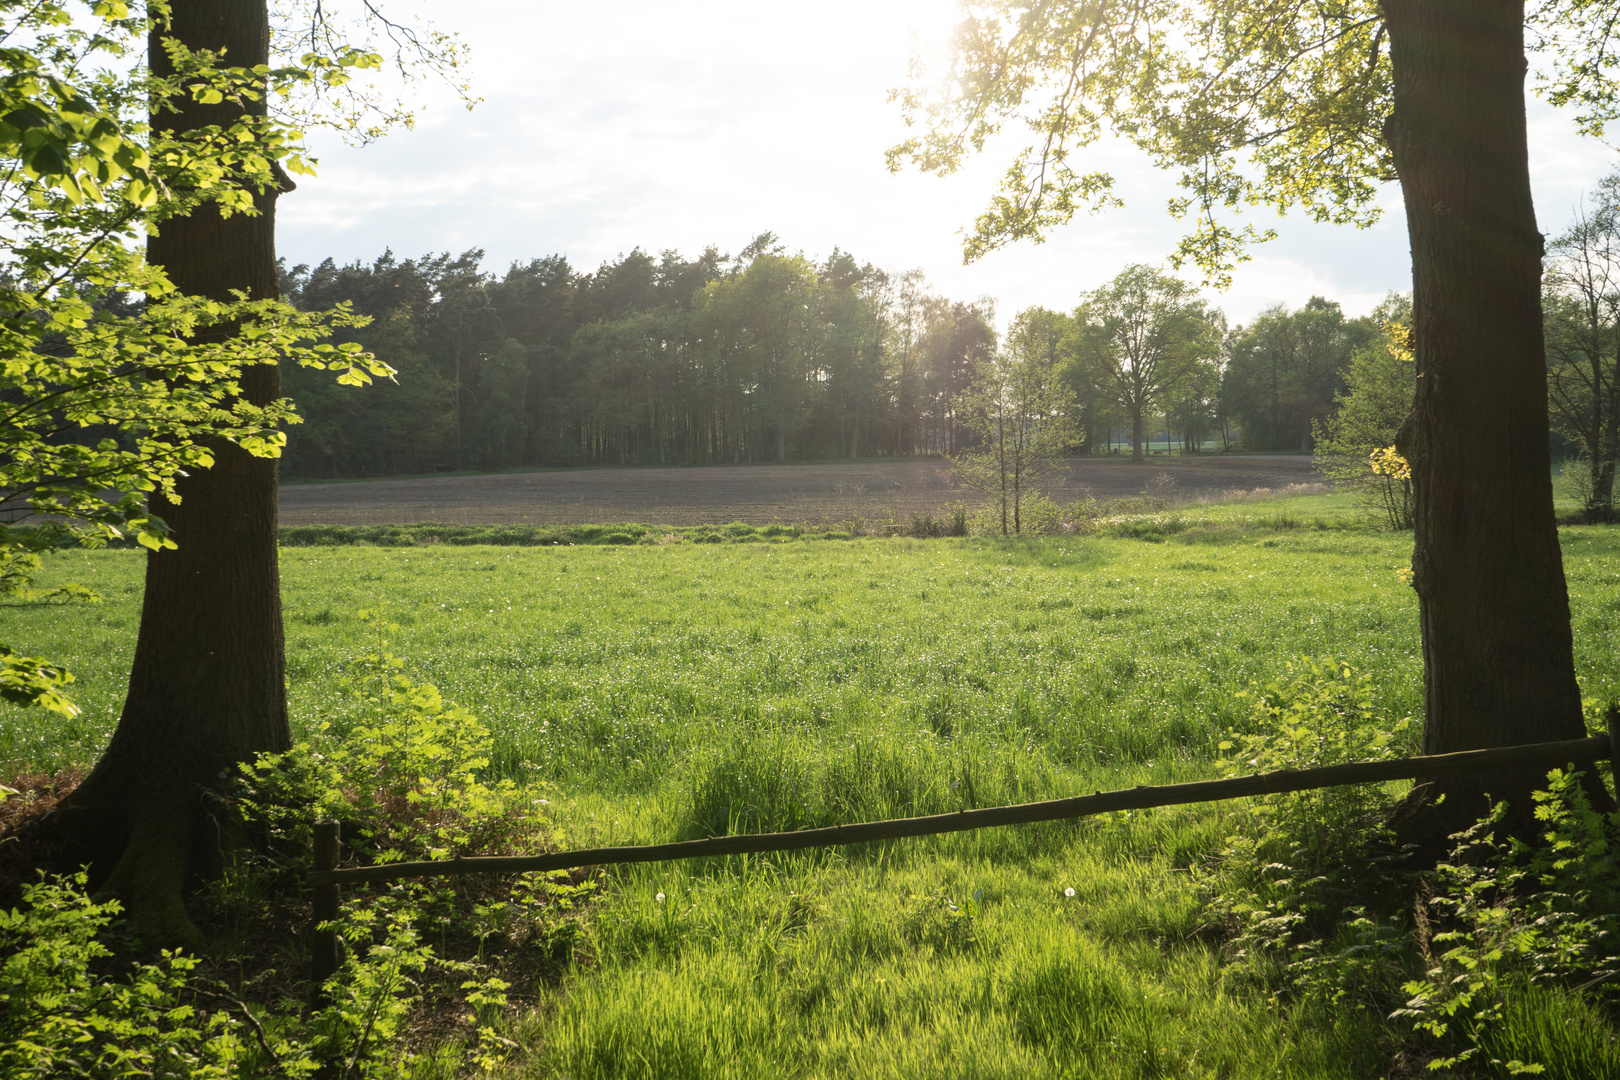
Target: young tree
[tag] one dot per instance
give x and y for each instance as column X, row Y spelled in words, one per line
column 1582, row 301
column 1313, row 106
column 1140, row 337
column 1353, row 446
column 1019, row 413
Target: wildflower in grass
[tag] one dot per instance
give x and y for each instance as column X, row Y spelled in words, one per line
column 1069, row 892
column 659, row 898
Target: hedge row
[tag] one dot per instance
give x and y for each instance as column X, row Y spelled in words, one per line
column 546, row 535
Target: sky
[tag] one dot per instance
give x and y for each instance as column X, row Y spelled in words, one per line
column 679, row 124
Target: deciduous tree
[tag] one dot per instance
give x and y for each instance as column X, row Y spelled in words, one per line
column 1283, row 370
column 1138, row 338
column 1312, row 107
column 200, row 178
column 1352, row 444
column 1019, row 411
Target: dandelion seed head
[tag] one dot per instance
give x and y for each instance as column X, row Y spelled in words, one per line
column 1069, row 892
column 660, row 897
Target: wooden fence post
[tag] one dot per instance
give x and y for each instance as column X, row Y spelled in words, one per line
column 324, row 943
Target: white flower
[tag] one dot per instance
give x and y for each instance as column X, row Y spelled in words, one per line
column 660, row 897
column 1069, row 892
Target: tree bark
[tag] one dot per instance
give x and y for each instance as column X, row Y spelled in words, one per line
column 1494, row 611
column 207, row 687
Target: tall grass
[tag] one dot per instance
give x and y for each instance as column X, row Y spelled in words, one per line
column 683, row 690
column 607, row 669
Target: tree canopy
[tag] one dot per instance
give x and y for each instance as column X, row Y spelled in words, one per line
column 1285, row 368
column 1250, row 103
column 1141, row 337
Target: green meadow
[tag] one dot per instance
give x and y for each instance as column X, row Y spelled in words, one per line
column 673, row 691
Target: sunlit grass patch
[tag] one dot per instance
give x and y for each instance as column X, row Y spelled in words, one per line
column 940, row 964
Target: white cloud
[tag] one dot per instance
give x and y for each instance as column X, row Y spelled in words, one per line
column 679, row 125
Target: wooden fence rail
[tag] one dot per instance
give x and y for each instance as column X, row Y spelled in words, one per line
column 326, row 878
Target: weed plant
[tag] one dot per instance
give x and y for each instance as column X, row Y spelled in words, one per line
column 1299, row 870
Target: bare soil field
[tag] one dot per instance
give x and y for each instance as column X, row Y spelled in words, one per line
column 753, row 494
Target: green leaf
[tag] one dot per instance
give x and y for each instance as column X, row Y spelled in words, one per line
column 28, row 680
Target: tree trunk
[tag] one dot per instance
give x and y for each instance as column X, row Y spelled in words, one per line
column 1018, row 488
column 1497, row 646
column 1136, row 437
column 207, row 687
column 1607, row 394
column 1001, row 468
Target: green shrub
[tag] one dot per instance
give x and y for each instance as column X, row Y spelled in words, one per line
column 1304, row 883
column 1508, row 966
column 61, row 1015
column 404, row 783
column 564, row 535
column 1040, row 516
column 925, row 526
column 1510, row 929
column 67, row 1011
column 1153, row 528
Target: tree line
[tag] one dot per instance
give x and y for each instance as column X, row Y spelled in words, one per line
column 772, row 356
column 759, row 357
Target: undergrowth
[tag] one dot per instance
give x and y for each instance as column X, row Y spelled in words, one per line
column 429, row 964
column 1501, row 961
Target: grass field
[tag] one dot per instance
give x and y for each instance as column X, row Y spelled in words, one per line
column 676, row 692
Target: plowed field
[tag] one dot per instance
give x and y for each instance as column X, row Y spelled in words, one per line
column 754, row 494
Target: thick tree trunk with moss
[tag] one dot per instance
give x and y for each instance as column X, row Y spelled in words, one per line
column 207, row 686
column 1497, row 646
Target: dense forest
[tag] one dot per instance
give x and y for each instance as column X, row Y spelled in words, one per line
column 770, row 356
